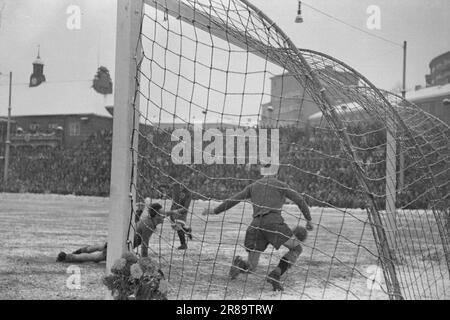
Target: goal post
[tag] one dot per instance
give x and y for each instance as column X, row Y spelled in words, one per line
column 126, row 118
column 391, row 181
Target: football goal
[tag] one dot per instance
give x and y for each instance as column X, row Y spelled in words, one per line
column 204, row 90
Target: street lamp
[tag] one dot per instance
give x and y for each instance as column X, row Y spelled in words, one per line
column 8, row 133
column 299, row 18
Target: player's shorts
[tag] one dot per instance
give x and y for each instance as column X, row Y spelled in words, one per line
column 178, row 224
column 178, row 221
column 265, row 230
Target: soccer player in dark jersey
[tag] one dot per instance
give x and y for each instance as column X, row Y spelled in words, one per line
column 181, row 199
column 268, row 227
column 148, row 222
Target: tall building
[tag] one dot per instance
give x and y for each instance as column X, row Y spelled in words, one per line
column 439, row 70
column 435, row 98
column 290, row 103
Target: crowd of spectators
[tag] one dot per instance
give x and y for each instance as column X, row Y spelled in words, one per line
column 82, row 170
column 312, row 162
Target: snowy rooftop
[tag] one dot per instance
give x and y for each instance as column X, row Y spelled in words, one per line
column 55, row 99
column 427, row 93
column 346, row 108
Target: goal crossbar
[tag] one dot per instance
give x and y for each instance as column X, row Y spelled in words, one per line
column 217, row 28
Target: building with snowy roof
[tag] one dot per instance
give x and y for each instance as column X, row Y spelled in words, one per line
column 69, row 110
column 434, row 100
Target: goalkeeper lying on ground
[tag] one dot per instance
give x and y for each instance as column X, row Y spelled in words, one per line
column 148, row 223
column 268, row 196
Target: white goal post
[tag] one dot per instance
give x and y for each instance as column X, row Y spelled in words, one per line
column 391, row 180
column 129, row 13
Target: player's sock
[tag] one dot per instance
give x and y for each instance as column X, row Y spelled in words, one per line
column 289, row 259
column 239, row 265
column 274, row 279
column 182, row 237
column 81, row 250
column 188, row 232
column 283, row 265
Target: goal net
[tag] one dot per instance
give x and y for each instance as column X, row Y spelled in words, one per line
column 216, row 80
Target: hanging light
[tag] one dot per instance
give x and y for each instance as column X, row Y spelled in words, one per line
column 299, row 18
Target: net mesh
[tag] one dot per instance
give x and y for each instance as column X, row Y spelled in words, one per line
column 372, row 167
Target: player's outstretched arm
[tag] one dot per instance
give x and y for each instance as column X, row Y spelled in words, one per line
column 229, row 203
column 174, row 214
column 302, row 205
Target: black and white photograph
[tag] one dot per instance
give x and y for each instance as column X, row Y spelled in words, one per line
column 224, row 150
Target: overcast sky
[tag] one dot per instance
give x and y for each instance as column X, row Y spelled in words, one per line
column 75, row 55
